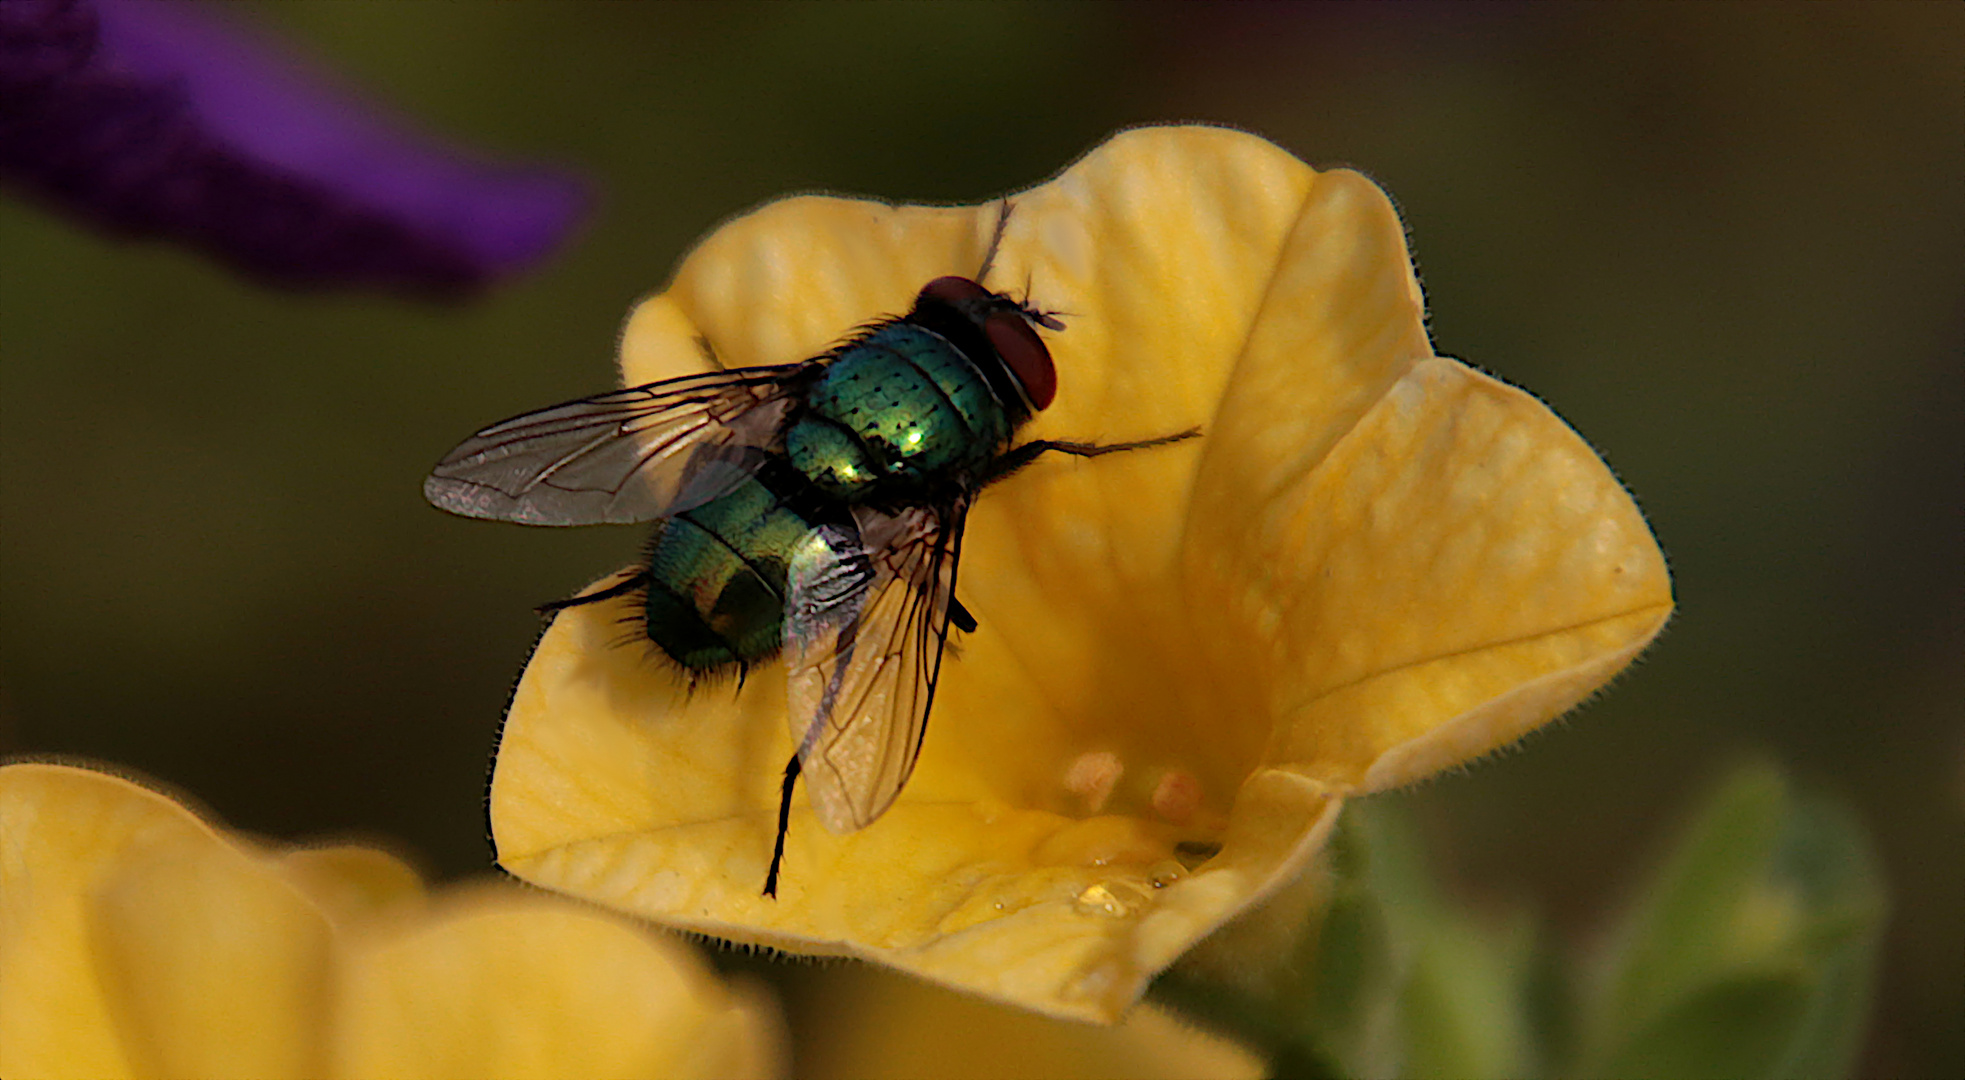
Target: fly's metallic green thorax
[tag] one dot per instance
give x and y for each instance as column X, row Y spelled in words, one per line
column 895, row 413
column 717, row 573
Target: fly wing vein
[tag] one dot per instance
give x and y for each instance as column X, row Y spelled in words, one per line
column 624, row 456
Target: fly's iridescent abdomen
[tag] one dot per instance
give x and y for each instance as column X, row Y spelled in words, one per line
column 717, row 573
column 895, row 413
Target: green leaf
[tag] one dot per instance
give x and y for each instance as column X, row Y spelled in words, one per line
column 1465, row 1003
column 1550, row 1005
column 1390, row 980
column 1826, row 857
column 1690, row 919
column 1460, row 983
column 1313, row 986
column 1731, row 1028
column 1751, row 952
column 1748, row 954
column 1361, row 962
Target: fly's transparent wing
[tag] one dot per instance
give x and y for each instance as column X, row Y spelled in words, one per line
column 865, row 626
column 621, row 457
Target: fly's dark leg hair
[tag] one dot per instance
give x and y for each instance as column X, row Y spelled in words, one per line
column 1023, row 455
column 995, row 238
column 621, row 589
column 784, row 826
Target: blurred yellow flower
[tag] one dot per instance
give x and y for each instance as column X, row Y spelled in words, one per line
column 863, row 1023
column 137, row 941
column 1376, row 564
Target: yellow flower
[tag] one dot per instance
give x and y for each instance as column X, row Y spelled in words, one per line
column 1376, row 564
column 137, row 941
column 867, row 1024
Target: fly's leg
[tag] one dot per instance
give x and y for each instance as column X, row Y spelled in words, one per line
column 609, row 593
column 1023, row 455
column 959, row 617
column 784, row 826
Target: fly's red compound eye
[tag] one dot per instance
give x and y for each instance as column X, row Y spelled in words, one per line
column 957, row 292
column 1009, row 332
column 1016, row 341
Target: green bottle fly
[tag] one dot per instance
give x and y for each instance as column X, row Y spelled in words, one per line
column 811, row 510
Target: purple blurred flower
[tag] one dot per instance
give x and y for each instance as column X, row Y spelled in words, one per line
column 165, row 120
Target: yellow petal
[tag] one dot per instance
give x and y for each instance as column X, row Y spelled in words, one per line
column 213, row 964
column 871, row 1025
column 527, row 987
column 134, row 940
column 351, row 883
column 63, row 832
column 1459, row 569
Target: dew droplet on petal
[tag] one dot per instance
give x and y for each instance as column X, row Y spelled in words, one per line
column 1115, row 899
column 1098, row 900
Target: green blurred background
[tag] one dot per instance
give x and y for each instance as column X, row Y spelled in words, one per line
column 1727, row 243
